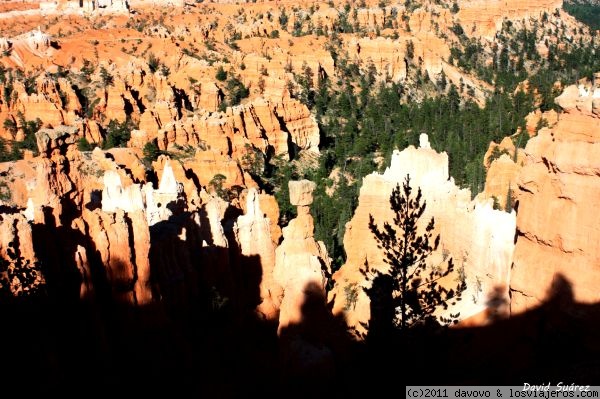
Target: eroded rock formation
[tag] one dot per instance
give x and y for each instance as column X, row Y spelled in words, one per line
column 301, row 262
column 483, row 17
column 478, row 238
column 20, row 271
column 253, row 234
column 556, row 223
column 503, row 163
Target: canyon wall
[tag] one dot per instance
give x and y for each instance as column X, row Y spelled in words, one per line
column 485, row 17
column 558, row 189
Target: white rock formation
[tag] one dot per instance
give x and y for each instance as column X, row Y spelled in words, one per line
column 215, row 210
column 478, row 238
column 115, row 196
column 29, row 212
column 301, row 192
column 582, row 98
column 253, row 234
column 160, row 202
column 253, row 231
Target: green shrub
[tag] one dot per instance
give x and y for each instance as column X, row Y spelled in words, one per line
column 153, row 62
column 84, row 145
column 236, row 91
column 117, row 134
column 216, row 184
column 221, row 74
column 151, row 151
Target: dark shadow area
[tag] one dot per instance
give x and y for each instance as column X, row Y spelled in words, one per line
column 553, row 342
column 138, row 101
column 182, row 101
column 318, row 357
column 83, row 100
column 201, row 336
column 151, row 177
column 381, row 324
column 128, row 107
column 95, row 200
column 5, row 209
column 191, row 175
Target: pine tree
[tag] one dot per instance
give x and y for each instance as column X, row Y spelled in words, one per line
column 415, row 289
column 151, row 151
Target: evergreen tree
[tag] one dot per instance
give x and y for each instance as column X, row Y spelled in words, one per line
column 84, row 145
column 415, row 289
column 5, row 154
column 106, row 77
column 221, row 74
column 236, row 91
column 11, row 126
column 118, row 134
column 151, row 151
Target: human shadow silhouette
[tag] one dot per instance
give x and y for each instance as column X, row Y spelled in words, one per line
column 318, row 352
column 201, row 334
column 552, row 342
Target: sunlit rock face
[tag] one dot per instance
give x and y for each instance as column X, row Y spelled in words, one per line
column 23, row 271
column 300, row 260
column 503, row 163
column 301, row 269
column 478, row 238
column 484, row 17
column 559, row 188
column 253, row 235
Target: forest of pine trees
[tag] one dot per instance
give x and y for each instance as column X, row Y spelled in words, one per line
column 362, row 122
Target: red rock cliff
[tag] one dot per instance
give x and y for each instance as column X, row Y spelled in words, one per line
column 557, row 223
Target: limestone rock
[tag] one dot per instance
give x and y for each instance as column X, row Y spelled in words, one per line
column 214, row 210
column 582, row 98
column 268, row 204
column 557, row 225
column 49, row 140
column 208, row 164
column 185, row 176
column 114, row 106
column 253, row 234
column 500, row 182
column 259, row 124
column 129, row 160
column 503, row 163
column 44, row 104
column 478, row 238
column 125, row 266
column 29, row 212
column 301, row 192
column 302, row 126
column 210, row 96
column 90, row 130
column 23, row 271
column 484, row 17
column 115, row 196
column 300, row 263
column 165, row 201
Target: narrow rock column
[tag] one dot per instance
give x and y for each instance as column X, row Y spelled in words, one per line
column 253, row 234
column 300, row 260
